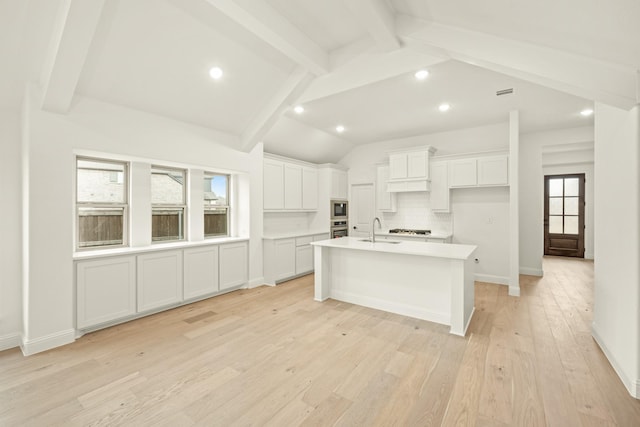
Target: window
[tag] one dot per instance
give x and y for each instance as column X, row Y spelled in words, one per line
column 216, row 205
column 101, row 202
column 168, row 203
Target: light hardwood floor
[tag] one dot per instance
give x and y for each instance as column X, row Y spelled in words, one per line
column 273, row 356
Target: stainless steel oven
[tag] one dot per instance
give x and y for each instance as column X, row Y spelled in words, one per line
column 339, row 229
column 339, row 210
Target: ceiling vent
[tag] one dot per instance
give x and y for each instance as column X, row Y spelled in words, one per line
column 504, row 92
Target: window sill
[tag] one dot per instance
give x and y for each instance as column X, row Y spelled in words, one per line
column 99, row 253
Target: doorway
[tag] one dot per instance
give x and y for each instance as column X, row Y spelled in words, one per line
column 564, row 215
column 362, row 209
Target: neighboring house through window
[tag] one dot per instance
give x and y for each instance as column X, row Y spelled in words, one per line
column 168, row 203
column 216, row 205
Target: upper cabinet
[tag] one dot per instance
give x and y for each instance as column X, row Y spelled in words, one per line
column 439, row 197
column 289, row 186
column 409, row 170
column 339, row 187
column 479, row 171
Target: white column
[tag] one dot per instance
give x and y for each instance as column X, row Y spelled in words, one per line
column 514, row 211
column 140, row 204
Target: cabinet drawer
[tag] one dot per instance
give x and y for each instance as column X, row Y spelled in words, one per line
column 305, row 240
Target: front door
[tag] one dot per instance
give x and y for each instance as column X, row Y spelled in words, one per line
column 564, row 215
column 361, row 211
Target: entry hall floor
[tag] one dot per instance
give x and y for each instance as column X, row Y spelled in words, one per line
column 273, row 356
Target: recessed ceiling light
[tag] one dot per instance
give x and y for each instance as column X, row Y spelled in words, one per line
column 444, row 107
column 215, row 73
column 299, row 109
column 339, row 128
column 421, row 74
column 587, row 112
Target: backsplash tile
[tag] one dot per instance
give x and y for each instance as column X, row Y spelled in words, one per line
column 413, row 212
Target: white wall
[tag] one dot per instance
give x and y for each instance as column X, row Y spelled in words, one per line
column 100, row 127
column 489, row 230
column 563, row 150
column 616, row 317
column 10, row 230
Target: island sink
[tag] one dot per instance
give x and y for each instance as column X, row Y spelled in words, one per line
column 393, row 242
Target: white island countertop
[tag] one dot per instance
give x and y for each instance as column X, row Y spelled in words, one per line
column 436, row 250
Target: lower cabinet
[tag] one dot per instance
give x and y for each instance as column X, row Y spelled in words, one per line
column 288, row 257
column 233, row 265
column 113, row 288
column 159, row 280
column 201, row 271
column 106, row 290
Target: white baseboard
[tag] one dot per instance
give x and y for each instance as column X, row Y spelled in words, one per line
column 490, row 278
column 531, row 271
column 589, row 255
column 514, row 291
column 632, row 386
column 254, row 283
column 9, row 341
column 47, row 342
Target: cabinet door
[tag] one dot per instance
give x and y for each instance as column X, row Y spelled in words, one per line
column 304, row 259
column 233, row 265
column 398, row 166
column 462, row 173
column 385, row 201
column 439, row 198
column 273, row 174
column 106, row 290
column 292, row 187
column 493, row 170
column 200, row 271
column 285, row 259
column 323, row 236
column 159, row 279
column 309, row 189
column 417, row 165
column 339, row 185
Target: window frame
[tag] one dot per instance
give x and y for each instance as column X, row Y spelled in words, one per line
column 103, row 205
column 227, row 206
column 159, row 206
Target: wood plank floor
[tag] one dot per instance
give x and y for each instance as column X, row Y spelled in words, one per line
column 273, row 356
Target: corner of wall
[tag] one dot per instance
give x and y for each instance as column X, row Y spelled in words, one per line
column 47, row 342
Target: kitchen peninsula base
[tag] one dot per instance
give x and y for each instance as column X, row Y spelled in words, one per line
column 428, row 281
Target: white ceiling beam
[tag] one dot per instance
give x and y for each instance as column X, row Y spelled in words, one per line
column 378, row 19
column 290, row 91
column 262, row 20
column 368, row 68
column 575, row 74
column 74, row 29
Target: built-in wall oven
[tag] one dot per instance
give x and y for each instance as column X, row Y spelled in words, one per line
column 339, row 229
column 339, row 210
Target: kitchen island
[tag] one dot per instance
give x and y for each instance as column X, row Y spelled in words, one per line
column 429, row 281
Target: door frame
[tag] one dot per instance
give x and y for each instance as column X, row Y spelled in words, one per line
column 557, row 251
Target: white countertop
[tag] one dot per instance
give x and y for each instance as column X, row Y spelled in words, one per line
column 436, row 250
column 291, row 234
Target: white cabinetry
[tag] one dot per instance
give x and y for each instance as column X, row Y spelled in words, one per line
column 385, row 201
column 409, row 170
column 439, row 197
column 479, row 171
column 200, row 271
column 309, row 189
column 339, row 186
column 233, row 264
column 106, row 290
column 493, row 170
column 289, row 257
column 273, row 177
column 304, row 255
column 289, row 186
column 159, row 279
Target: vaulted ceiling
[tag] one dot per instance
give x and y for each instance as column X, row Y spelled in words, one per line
column 348, row 62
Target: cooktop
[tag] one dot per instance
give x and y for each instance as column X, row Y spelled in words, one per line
column 406, row 231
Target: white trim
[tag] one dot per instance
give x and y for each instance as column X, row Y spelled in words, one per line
column 490, row 278
column 514, row 291
column 47, row 342
column 589, row 255
column 9, row 341
column 532, row 271
column 633, row 386
column 254, row 283
column 464, row 333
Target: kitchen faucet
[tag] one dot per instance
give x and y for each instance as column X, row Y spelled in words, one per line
column 373, row 229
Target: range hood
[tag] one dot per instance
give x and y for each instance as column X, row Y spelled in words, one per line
column 409, row 170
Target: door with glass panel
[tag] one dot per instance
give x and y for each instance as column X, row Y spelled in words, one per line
column 564, row 215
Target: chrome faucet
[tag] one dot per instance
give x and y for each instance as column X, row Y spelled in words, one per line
column 373, row 229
